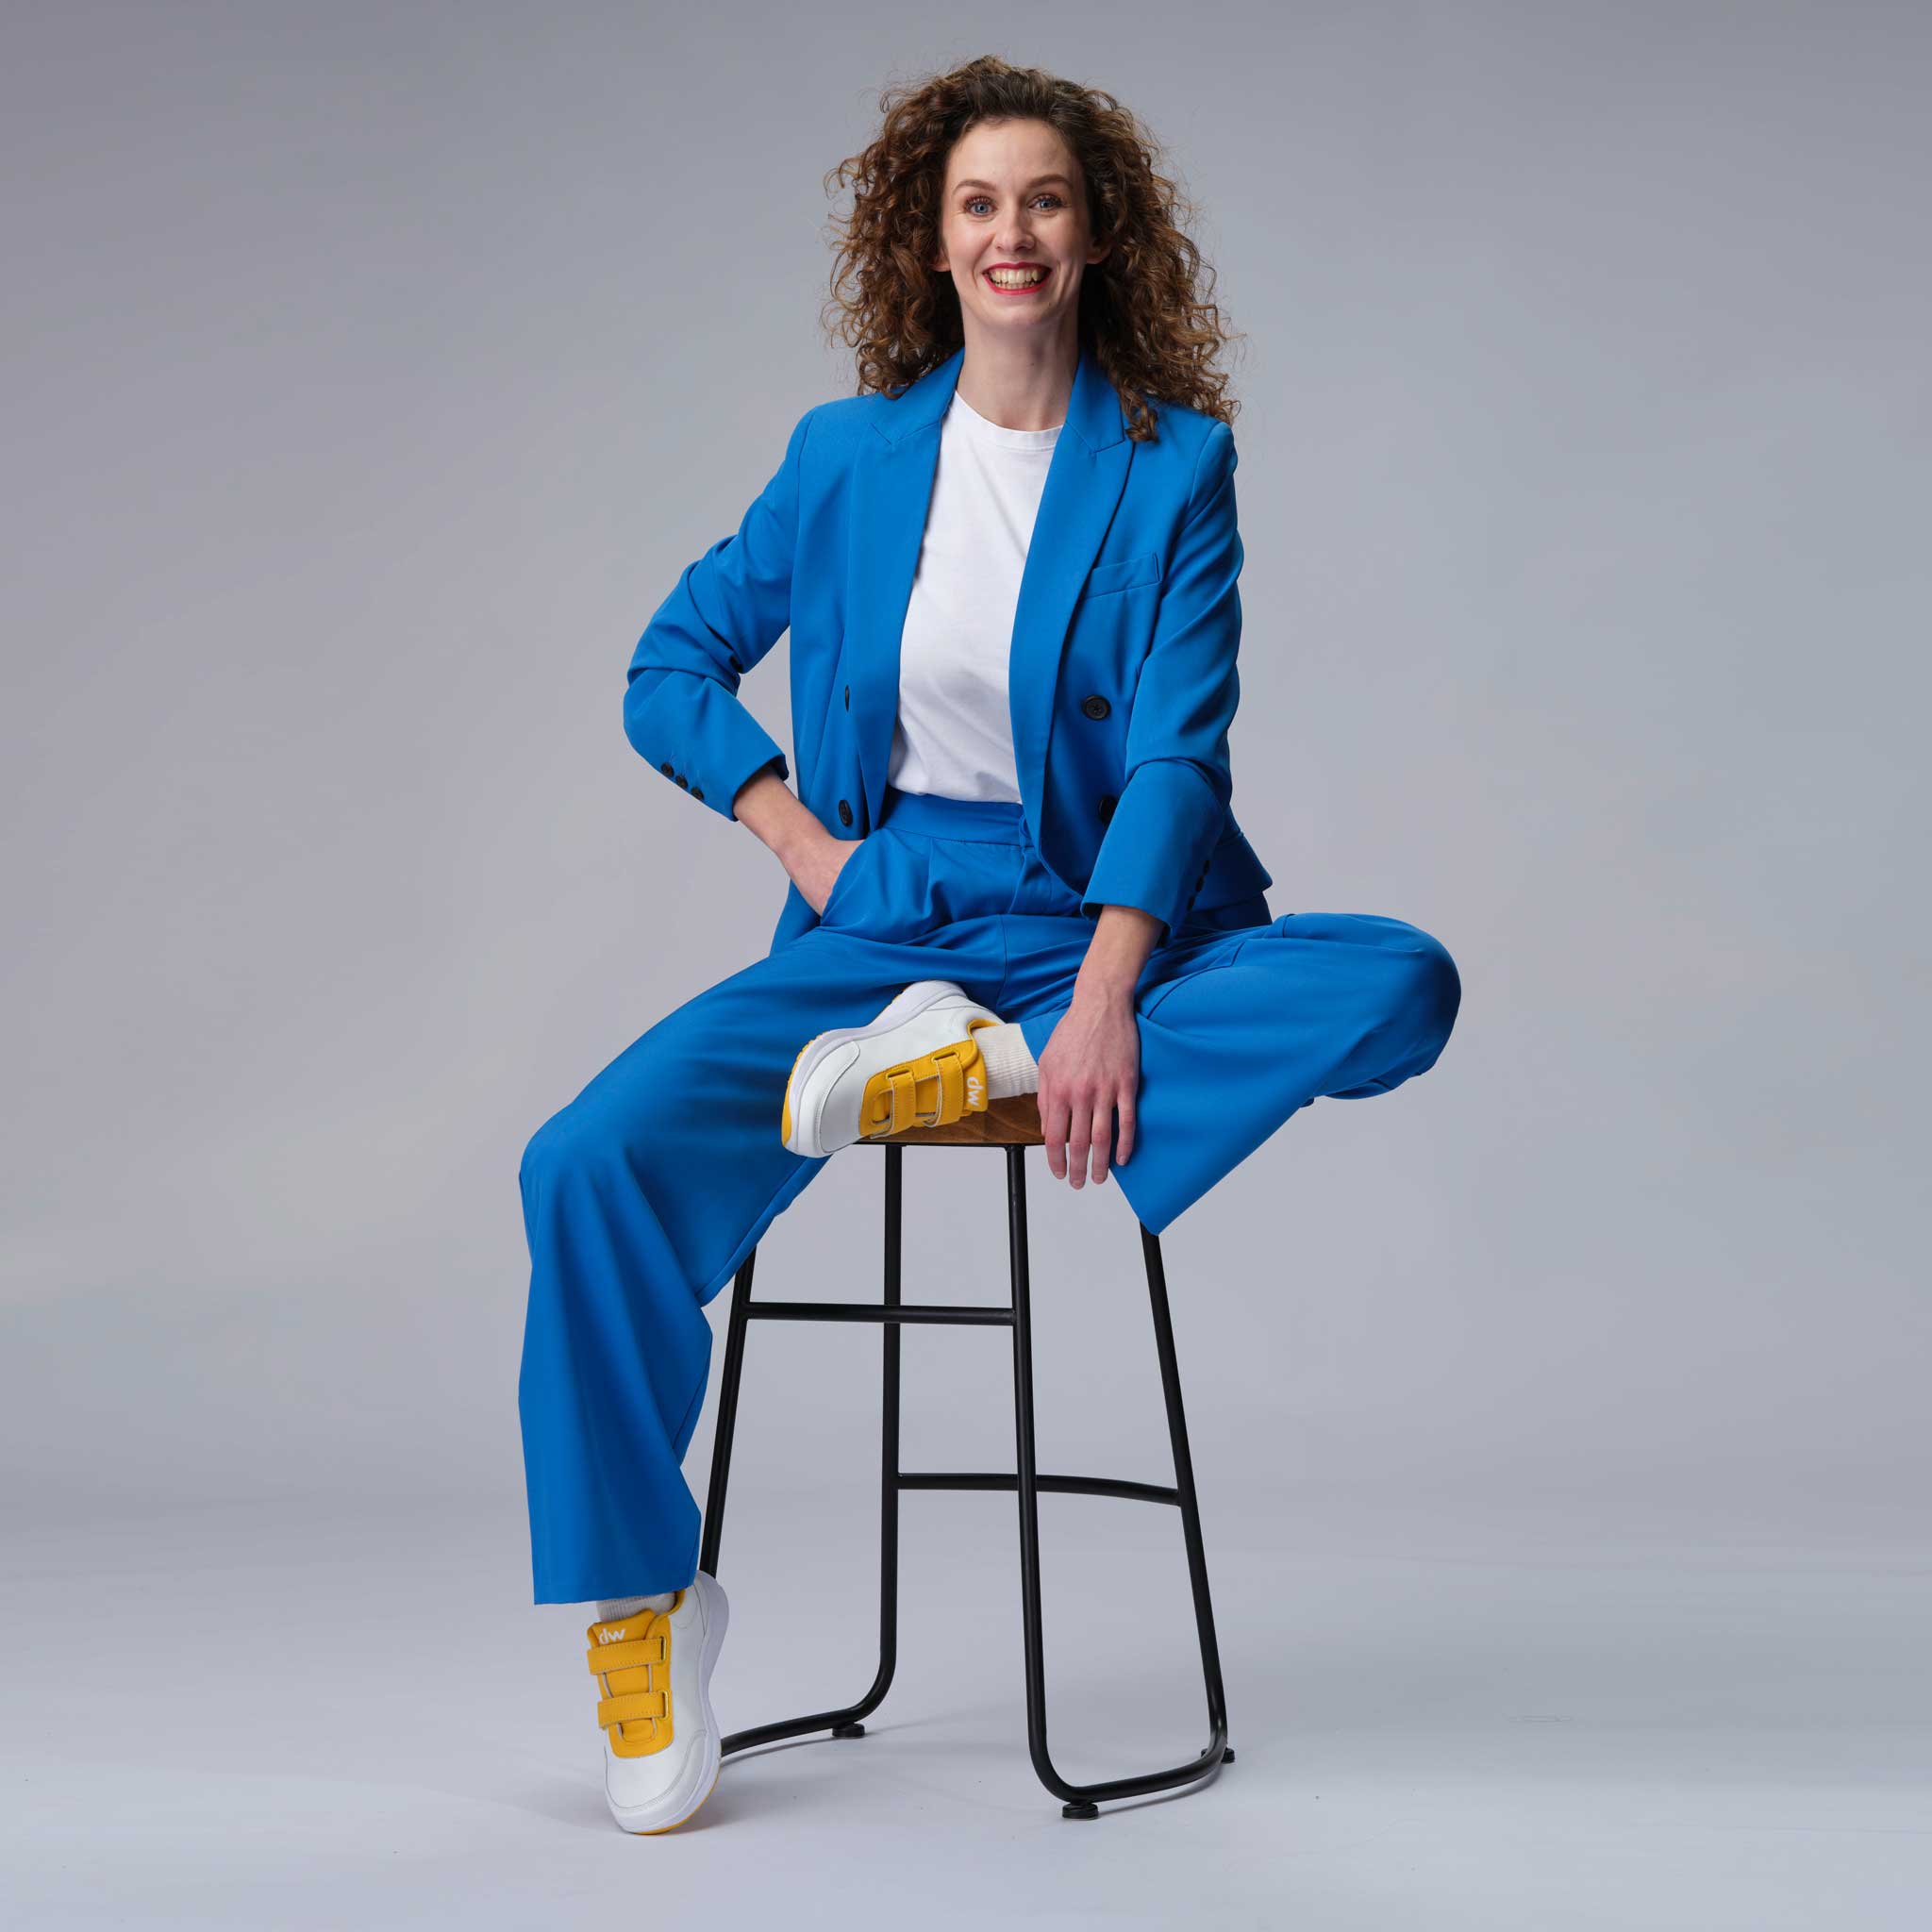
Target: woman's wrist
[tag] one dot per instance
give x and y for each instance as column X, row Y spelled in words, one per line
column 1123, row 936
column 777, row 816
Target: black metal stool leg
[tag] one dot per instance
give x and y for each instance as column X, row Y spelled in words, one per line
column 846, row 1723
column 728, row 1415
column 889, row 1461
column 1184, row 1482
column 1083, row 1801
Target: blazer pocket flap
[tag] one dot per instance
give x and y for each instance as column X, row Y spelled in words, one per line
column 1124, row 574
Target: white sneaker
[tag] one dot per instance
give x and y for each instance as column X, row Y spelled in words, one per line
column 661, row 1755
column 917, row 1064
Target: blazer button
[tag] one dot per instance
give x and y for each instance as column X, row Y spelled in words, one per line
column 1107, row 806
column 845, row 813
column 695, row 792
column 665, row 768
column 1095, row 706
column 684, row 783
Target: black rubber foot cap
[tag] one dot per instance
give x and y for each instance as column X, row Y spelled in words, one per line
column 848, row 1730
column 1080, row 1811
column 1227, row 1755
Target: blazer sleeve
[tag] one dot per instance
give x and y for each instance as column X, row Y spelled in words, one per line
column 682, row 710
column 1174, row 805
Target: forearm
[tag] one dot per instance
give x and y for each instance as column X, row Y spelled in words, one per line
column 777, row 816
column 1123, row 936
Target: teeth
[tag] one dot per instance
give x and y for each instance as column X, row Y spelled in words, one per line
column 1016, row 278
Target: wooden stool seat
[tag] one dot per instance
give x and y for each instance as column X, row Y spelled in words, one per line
column 1013, row 1122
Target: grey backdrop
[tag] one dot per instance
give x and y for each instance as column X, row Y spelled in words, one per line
column 1561, row 1418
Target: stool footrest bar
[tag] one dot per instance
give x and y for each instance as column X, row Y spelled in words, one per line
column 874, row 1311
column 1061, row 1485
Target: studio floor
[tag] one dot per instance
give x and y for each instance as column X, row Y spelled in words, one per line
column 265, row 1717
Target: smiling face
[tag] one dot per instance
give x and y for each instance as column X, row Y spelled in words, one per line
column 1013, row 229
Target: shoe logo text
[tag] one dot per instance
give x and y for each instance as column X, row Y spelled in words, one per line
column 610, row 1637
column 973, row 1090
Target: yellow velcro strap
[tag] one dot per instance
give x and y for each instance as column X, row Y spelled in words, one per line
column 628, row 1709
column 625, row 1657
column 952, row 1085
column 942, row 1078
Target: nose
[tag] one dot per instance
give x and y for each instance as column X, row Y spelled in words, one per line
column 1016, row 237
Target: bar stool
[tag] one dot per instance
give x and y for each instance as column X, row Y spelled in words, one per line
column 1013, row 1124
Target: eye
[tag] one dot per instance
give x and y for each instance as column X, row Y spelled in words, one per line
column 1044, row 194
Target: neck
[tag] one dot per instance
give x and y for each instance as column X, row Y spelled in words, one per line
column 1019, row 382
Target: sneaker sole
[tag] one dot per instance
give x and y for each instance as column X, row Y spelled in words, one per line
column 711, row 1763
column 820, row 1061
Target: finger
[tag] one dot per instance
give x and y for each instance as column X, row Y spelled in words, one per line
column 1077, row 1147
column 1053, row 1130
column 1125, row 1143
column 1103, row 1139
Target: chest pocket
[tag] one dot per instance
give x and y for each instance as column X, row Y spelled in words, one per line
column 1124, row 574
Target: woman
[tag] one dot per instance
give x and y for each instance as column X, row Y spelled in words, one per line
column 1008, row 568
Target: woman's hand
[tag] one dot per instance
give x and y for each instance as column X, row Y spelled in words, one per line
column 812, row 856
column 1089, row 1067
column 817, row 864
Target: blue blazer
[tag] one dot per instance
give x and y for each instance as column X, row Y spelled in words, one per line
column 1121, row 676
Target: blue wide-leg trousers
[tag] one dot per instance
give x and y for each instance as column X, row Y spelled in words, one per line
column 643, row 1195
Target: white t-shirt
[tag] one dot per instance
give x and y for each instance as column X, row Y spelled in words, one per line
column 953, row 737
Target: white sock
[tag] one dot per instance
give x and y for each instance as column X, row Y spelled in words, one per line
column 1010, row 1068
column 630, row 1605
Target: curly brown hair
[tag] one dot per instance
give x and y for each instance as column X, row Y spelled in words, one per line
column 1145, row 307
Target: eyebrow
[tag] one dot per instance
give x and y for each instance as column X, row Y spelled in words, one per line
column 1038, row 181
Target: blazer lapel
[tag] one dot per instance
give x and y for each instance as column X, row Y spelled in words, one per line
column 1083, row 485
column 892, row 493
